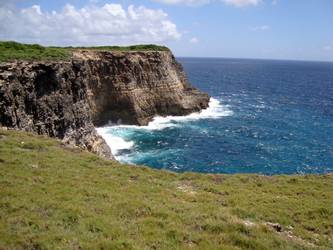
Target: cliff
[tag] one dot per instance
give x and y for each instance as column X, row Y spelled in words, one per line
column 67, row 98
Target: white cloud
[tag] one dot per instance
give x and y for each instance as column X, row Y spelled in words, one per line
column 194, row 40
column 261, row 28
column 91, row 25
column 242, row 3
column 235, row 3
column 184, row 2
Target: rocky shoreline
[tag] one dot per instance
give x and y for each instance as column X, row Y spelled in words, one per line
column 66, row 99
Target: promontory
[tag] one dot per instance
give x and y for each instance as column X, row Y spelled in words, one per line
column 66, row 92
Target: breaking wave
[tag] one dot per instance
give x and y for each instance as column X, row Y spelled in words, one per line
column 118, row 137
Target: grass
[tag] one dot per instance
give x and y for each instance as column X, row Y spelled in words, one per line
column 17, row 51
column 53, row 197
column 139, row 47
column 13, row 50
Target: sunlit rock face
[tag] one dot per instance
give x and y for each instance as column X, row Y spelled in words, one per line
column 133, row 87
column 67, row 99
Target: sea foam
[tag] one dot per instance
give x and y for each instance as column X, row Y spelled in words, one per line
column 116, row 143
column 118, row 140
column 215, row 110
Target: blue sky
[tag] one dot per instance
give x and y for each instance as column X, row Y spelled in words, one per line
column 277, row 29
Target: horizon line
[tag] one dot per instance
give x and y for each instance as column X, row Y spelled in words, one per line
column 251, row 58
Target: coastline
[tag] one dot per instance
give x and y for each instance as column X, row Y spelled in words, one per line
column 78, row 89
column 118, row 143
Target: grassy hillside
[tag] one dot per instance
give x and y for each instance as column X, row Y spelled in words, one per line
column 55, row 197
column 13, row 50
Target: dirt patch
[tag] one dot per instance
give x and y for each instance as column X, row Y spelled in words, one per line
column 217, row 178
column 275, row 226
column 187, row 188
column 71, row 148
column 248, row 223
column 286, row 232
column 86, row 55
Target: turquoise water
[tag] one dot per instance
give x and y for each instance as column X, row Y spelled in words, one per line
column 269, row 117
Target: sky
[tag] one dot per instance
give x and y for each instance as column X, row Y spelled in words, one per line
column 267, row 29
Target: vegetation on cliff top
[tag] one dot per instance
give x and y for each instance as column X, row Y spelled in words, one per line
column 52, row 197
column 13, row 50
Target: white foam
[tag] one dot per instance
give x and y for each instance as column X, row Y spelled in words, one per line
column 116, row 140
column 214, row 111
column 116, row 143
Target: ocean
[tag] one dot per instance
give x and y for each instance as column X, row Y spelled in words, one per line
column 265, row 116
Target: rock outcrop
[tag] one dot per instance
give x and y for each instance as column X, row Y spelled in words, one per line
column 66, row 99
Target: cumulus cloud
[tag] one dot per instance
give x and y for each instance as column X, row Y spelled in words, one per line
column 235, row 3
column 194, row 40
column 91, row 25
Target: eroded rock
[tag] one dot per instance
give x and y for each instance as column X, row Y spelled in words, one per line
column 67, row 99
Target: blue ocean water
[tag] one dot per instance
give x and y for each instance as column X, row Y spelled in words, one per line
column 268, row 117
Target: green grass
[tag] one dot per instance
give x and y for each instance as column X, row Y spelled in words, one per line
column 53, row 197
column 139, row 47
column 13, row 50
column 17, row 51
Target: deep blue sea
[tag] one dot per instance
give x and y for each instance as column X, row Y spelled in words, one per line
column 265, row 116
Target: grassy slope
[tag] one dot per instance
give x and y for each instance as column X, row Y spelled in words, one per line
column 13, row 50
column 55, row 197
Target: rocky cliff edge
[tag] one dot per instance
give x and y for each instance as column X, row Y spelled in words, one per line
column 68, row 98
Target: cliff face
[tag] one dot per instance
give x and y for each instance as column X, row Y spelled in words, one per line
column 65, row 99
column 49, row 98
column 134, row 87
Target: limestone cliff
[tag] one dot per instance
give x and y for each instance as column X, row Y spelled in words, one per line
column 65, row 99
column 49, row 98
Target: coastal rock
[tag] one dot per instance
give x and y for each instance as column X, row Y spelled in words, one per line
column 67, row 99
column 49, row 98
column 133, row 87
